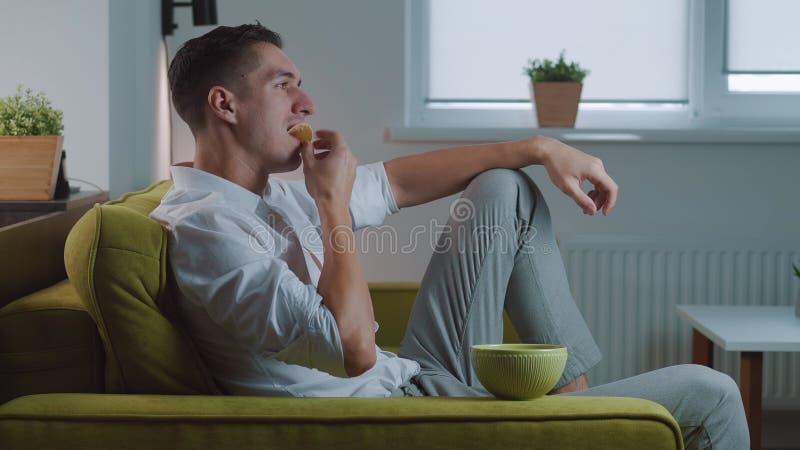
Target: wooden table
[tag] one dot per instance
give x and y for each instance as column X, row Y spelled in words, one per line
column 751, row 330
column 32, row 236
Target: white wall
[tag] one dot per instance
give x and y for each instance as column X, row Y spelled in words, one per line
column 134, row 57
column 61, row 48
column 350, row 53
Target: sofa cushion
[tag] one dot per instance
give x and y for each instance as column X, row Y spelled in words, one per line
column 48, row 344
column 115, row 257
column 189, row 422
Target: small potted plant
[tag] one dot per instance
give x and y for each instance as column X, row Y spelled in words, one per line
column 556, row 90
column 30, row 146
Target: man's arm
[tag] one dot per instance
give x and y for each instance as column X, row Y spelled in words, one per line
column 432, row 175
column 344, row 290
column 342, row 283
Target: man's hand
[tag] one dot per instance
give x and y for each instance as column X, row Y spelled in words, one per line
column 329, row 179
column 568, row 167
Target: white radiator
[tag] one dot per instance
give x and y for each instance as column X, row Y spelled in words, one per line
column 627, row 288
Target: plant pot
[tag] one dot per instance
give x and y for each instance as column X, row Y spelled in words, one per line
column 29, row 166
column 557, row 103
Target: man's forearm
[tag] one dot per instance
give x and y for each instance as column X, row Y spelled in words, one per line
column 432, row 175
column 343, row 288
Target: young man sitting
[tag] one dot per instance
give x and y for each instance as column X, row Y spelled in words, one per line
column 271, row 287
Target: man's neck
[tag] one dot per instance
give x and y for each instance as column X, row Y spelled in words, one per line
column 230, row 161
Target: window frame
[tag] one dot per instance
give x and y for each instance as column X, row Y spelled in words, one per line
column 709, row 104
column 741, row 109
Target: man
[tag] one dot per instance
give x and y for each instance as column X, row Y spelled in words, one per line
column 270, row 285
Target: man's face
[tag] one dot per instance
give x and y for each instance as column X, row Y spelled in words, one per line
column 273, row 104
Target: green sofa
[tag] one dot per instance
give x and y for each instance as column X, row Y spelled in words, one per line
column 100, row 361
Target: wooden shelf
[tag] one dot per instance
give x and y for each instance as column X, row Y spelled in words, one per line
column 16, row 212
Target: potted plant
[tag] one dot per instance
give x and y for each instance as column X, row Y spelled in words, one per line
column 556, row 90
column 30, row 146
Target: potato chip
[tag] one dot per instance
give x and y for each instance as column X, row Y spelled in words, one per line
column 302, row 131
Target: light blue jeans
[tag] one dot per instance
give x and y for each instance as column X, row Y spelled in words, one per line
column 499, row 251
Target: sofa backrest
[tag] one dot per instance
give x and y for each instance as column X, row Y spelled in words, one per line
column 116, row 258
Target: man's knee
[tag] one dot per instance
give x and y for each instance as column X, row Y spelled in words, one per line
column 710, row 383
column 502, row 184
column 501, row 180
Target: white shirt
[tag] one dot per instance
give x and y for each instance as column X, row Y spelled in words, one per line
column 247, row 292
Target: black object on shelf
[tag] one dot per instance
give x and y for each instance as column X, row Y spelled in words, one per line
column 62, row 185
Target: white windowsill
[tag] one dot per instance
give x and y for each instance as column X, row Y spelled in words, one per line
column 762, row 135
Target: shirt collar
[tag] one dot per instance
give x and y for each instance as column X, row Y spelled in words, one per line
column 193, row 179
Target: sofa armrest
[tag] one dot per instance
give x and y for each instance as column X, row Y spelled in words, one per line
column 48, row 343
column 158, row 421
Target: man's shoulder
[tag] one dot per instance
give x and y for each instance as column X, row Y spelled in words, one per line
column 198, row 209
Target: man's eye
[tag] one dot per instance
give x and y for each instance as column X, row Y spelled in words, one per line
column 284, row 85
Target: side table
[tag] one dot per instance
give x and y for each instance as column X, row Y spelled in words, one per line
column 32, row 236
column 751, row 330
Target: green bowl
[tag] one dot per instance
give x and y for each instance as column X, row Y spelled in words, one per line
column 519, row 371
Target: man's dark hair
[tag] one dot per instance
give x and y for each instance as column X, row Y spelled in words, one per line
column 223, row 56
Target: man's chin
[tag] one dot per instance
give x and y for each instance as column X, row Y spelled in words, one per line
column 290, row 165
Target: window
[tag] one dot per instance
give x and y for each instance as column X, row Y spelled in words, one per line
column 624, row 69
column 654, row 64
column 753, row 60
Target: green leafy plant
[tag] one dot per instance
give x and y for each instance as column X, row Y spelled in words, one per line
column 546, row 70
column 29, row 114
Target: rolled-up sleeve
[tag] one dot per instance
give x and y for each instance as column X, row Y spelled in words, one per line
column 372, row 199
column 253, row 295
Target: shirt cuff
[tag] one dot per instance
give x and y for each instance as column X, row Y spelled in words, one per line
column 387, row 189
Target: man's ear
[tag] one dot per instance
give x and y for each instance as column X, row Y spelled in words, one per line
column 223, row 104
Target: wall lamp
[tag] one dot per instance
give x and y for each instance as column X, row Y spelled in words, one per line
column 204, row 12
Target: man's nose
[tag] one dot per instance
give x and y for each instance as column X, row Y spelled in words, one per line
column 304, row 105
